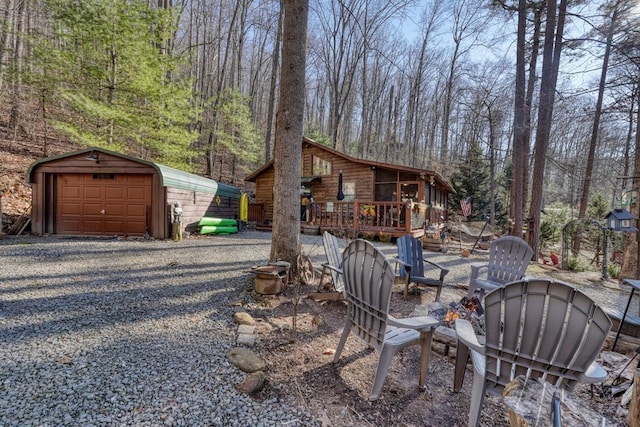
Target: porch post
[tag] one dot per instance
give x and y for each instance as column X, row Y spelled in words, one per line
column 407, row 218
column 356, row 216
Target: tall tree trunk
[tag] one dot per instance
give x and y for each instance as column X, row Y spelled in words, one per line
column 448, row 100
column 586, row 183
column 4, row 39
column 631, row 258
column 16, row 80
column 221, row 82
column 531, row 83
column 390, row 141
column 285, row 242
column 492, row 166
column 627, row 143
column 550, row 65
column 519, row 134
column 272, row 88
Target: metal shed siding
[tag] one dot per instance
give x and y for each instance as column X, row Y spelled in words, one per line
column 195, row 205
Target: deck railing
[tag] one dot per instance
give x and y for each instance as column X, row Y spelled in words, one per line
column 368, row 216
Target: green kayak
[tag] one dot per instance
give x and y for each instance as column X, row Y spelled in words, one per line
column 215, row 229
column 222, row 222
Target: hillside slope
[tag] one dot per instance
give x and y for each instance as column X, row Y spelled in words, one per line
column 16, row 155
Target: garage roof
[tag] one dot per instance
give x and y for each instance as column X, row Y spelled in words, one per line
column 169, row 177
column 187, row 181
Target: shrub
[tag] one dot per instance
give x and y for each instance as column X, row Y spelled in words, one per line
column 576, row 264
column 614, row 270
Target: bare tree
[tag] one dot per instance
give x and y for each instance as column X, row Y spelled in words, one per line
column 586, row 183
column 465, row 21
column 272, row 87
column 519, row 126
column 417, row 83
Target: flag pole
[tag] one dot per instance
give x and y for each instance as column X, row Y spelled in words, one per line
column 480, row 235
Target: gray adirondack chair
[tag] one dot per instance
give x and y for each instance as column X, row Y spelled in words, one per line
column 369, row 278
column 509, row 257
column 410, row 253
column 333, row 251
column 537, row 328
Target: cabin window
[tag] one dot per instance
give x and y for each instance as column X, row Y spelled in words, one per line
column 386, row 175
column 349, row 191
column 386, row 192
column 409, row 192
column 321, row 167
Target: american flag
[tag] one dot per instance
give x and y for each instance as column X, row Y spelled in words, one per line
column 465, row 204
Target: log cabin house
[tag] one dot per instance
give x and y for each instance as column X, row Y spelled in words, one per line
column 378, row 198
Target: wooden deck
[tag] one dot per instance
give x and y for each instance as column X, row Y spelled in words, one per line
column 364, row 219
column 368, row 218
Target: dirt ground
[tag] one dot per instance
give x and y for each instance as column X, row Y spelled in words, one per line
column 299, row 367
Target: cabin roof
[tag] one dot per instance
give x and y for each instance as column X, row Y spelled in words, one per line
column 439, row 178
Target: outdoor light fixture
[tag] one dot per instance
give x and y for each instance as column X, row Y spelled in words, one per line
column 93, row 156
column 432, row 180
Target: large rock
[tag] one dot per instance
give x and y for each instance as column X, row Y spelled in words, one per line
column 253, row 383
column 243, row 318
column 246, row 360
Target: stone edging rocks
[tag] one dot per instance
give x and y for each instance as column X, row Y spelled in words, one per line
column 246, row 359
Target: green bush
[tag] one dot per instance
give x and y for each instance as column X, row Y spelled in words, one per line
column 555, row 217
column 614, row 270
column 576, row 264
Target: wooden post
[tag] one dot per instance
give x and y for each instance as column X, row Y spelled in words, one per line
column 176, row 222
column 176, row 231
column 356, row 216
column 634, row 406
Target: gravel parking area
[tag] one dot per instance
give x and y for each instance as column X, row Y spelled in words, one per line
column 128, row 332
column 134, row 332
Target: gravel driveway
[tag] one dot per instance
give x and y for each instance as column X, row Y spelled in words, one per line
column 123, row 332
column 128, row 332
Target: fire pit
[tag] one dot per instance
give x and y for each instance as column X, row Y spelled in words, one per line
column 269, row 278
column 467, row 308
column 445, row 336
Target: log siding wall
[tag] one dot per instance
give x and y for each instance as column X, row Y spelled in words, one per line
column 325, row 188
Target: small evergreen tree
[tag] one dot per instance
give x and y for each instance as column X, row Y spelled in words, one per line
column 472, row 180
column 236, row 132
column 598, row 207
column 107, row 69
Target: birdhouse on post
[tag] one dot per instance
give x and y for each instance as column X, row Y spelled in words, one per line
column 620, row 220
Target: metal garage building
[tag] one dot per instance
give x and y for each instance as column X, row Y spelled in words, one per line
column 100, row 192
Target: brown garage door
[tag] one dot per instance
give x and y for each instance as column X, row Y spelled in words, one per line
column 103, row 204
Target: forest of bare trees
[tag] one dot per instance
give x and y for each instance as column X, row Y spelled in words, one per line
column 516, row 85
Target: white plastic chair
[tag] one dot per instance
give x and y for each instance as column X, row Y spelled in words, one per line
column 509, row 257
column 410, row 253
column 334, row 262
column 537, row 328
column 368, row 278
